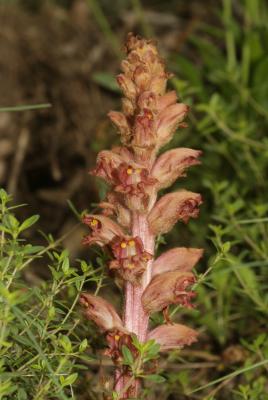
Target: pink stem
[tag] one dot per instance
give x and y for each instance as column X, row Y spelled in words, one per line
column 135, row 319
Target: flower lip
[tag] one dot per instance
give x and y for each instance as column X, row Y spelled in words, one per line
column 92, row 222
column 125, row 247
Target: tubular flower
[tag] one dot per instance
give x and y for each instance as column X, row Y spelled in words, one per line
column 101, row 312
column 178, row 259
column 103, row 230
column 173, row 336
column 131, row 215
column 168, row 288
column 172, row 207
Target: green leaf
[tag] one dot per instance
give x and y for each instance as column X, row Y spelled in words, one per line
column 25, row 108
column 28, row 222
column 65, row 265
column 83, row 345
column 107, row 81
column 65, row 343
column 128, row 358
column 155, row 378
column 69, row 380
column 10, row 222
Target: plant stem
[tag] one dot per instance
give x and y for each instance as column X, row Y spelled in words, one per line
column 135, row 319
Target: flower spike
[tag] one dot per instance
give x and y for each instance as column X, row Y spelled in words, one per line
column 132, row 216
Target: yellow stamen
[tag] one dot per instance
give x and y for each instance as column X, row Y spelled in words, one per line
column 131, row 266
column 94, row 222
column 123, row 245
column 131, row 243
column 116, row 338
column 129, row 171
column 138, row 171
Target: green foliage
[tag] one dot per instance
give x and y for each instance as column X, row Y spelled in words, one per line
column 41, row 349
column 230, row 121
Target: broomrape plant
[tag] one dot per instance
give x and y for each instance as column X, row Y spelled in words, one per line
column 132, row 217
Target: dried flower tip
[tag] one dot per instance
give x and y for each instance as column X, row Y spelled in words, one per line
column 168, row 288
column 172, row 207
column 101, row 312
column 178, row 259
column 173, row 336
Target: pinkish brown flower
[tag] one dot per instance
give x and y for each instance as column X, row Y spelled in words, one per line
column 144, row 135
column 168, row 288
column 101, row 312
column 172, row 165
column 174, row 336
column 172, row 207
column 118, row 168
column 169, row 120
column 166, row 100
column 103, row 230
column 130, row 258
column 178, row 259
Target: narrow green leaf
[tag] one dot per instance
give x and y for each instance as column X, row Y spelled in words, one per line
column 128, row 358
column 28, row 222
column 25, row 108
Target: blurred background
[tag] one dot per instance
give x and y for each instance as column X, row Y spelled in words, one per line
column 64, row 55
